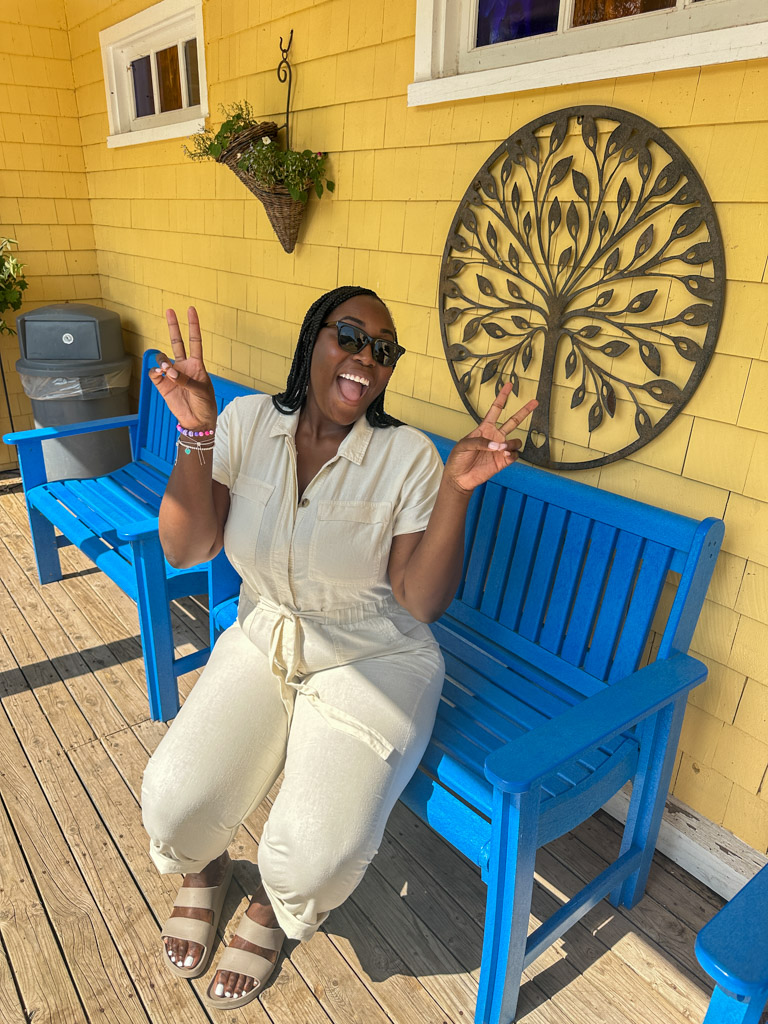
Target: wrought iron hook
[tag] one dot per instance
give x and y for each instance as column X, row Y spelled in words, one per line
column 284, row 73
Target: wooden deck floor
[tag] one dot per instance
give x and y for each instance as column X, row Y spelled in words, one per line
column 80, row 900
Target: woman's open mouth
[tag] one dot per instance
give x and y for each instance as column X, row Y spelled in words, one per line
column 352, row 387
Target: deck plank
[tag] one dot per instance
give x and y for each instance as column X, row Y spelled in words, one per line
column 11, row 1010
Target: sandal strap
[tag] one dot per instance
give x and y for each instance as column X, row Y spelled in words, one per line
column 188, row 928
column 267, row 938
column 241, row 961
column 203, row 899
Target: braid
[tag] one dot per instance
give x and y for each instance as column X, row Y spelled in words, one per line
column 298, row 377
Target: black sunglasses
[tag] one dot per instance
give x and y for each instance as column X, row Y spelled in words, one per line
column 353, row 339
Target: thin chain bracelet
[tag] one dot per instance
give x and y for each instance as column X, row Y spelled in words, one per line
column 199, row 441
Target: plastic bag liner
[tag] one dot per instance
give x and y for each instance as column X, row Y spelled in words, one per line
column 92, row 386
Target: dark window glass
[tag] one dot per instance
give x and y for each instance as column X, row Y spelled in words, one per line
column 588, row 12
column 193, row 75
column 498, row 21
column 168, row 78
column 143, row 96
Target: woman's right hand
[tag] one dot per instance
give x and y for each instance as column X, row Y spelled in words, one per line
column 185, row 384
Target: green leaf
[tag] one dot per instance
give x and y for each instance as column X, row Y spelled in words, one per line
column 318, row 189
column 216, row 149
column 330, row 185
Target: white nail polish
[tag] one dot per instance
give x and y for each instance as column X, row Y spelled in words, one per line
column 219, row 990
column 189, row 961
column 172, row 957
column 227, row 995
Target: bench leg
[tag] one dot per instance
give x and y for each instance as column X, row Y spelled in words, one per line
column 727, row 1009
column 658, row 750
column 45, row 547
column 156, row 631
column 510, row 886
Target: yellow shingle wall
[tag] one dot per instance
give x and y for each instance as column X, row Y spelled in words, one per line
column 170, row 232
column 43, row 191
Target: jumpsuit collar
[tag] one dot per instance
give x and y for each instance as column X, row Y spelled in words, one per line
column 352, row 448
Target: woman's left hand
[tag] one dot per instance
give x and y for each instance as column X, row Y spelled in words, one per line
column 486, row 450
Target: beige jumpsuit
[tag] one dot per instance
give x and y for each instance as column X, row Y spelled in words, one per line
column 323, row 675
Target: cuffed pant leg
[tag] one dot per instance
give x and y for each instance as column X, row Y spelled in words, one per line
column 217, row 761
column 328, row 819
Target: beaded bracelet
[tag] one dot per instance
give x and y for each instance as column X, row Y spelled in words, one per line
column 194, row 433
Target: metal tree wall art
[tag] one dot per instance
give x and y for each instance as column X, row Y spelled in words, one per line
column 585, row 265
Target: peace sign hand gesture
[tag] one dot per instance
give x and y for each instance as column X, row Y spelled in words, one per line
column 185, row 384
column 486, row 450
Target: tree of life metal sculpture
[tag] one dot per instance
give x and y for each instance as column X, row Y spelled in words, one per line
column 585, row 265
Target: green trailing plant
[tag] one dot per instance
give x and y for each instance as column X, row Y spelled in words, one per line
column 300, row 172
column 12, row 282
column 208, row 144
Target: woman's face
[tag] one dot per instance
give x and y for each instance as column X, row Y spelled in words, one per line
column 342, row 384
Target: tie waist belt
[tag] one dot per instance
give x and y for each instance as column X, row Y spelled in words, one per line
column 285, row 650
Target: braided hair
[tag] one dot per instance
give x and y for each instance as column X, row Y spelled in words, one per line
column 298, row 378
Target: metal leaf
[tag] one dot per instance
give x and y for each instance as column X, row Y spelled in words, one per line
column 589, row 132
column 457, row 353
column 644, row 163
column 527, row 224
column 453, row 267
column 452, row 314
column 495, row 331
column 687, row 348
column 644, row 242
column 580, row 185
column 614, row 348
column 520, row 323
column 612, row 262
column 617, row 139
column 506, row 171
column 526, row 355
column 570, row 363
column 492, row 237
column 485, row 285
column 595, row 416
column 514, row 380
column 696, row 315
column 488, row 184
column 651, row 357
column 608, row 397
column 555, row 216
column 464, row 381
column 469, row 220
column 512, row 258
column 642, row 301
column 572, row 221
column 471, row 328
column 664, row 391
column 687, row 223
column 702, row 252
column 516, row 152
column 666, row 180
column 559, row 171
column 488, row 371
column 578, row 396
column 530, row 145
column 559, row 130
column 684, row 196
column 603, row 225
column 624, row 195
column 701, row 287
column 458, row 242
column 564, row 259
column 590, row 331
column 603, row 298
column 514, row 197
column 643, row 424
column 451, row 290
column 513, row 290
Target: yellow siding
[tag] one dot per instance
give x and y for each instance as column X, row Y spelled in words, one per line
column 161, row 231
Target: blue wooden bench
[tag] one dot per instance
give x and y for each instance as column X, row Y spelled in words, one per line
column 545, row 714
column 113, row 520
column 733, row 949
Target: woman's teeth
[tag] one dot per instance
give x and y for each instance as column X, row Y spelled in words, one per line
column 360, row 380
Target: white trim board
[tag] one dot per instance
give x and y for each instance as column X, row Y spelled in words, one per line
column 707, row 851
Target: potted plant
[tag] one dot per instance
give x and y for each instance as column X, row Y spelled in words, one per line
column 282, row 179
column 12, row 282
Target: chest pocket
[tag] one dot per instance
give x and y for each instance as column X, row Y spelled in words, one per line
column 241, row 535
column 350, row 542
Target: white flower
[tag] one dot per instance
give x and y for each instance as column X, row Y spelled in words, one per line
column 266, row 140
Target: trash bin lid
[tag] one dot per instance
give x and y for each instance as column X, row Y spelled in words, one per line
column 70, row 311
column 70, row 367
column 72, row 330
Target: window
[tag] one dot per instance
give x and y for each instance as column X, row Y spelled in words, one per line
column 468, row 48
column 154, row 71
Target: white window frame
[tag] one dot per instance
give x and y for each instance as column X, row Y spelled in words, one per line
column 448, row 66
column 168, row 23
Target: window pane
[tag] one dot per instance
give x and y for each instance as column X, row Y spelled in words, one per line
column 168, row 79
column 193, row 75
column 143, row 95
column 498, row 21
column 587, row 12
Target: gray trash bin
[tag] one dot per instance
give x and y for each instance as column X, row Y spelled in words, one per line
column 74, row 368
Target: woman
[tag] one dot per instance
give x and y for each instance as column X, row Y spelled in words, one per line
column 348, row 535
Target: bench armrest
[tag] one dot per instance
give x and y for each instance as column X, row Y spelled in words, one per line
column 70, row 430
column 518, row 766
column 142, row 530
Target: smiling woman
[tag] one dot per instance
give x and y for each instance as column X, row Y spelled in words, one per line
column 348, row 536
